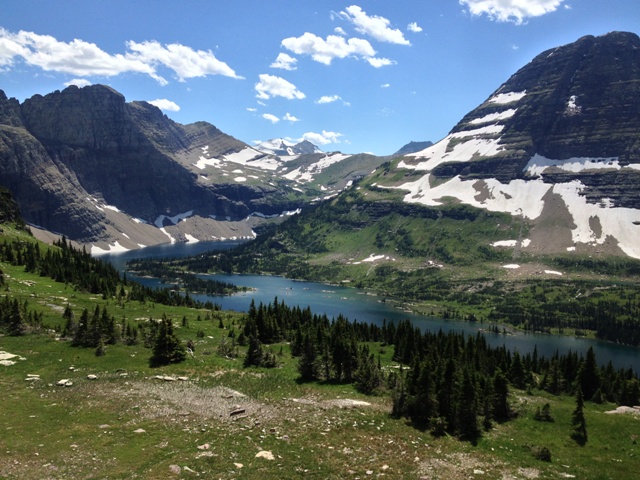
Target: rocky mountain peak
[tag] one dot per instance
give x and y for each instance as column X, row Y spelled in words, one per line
column 561, row 132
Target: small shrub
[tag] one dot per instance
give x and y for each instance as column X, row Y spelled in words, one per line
column 542, row 453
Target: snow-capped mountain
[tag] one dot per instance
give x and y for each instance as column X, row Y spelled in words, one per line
column 558, row 144
column 286, row 148
column 113, row 174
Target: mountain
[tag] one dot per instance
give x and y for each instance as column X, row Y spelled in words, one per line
column 541, row 179
column 113, row 174
column 412, row 147
column 283, row 148
column 557, row 144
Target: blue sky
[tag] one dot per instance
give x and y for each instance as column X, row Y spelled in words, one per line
column 355, row 76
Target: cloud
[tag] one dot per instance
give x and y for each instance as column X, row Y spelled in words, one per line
column 85, row 59
column 78, row 82
column 385, row 85
column 285, row 62
column 184, row 61
column 164, row 104
column 290, row 118
column 251, row 109
column 380, row 62
column 374, row 26
column 272, row 86
column 271, row 118
column 413, row 27
column 323, row 138
column 324, row 51
column 340, row 31
column 328, row 99
column 516, row 11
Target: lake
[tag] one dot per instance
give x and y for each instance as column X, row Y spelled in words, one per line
column 356, row 305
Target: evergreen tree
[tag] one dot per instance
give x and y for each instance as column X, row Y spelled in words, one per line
column 589, row 375
column 255, row 353
column 308, row 362
column 578, row 420
column 368, row 376
column 468, row 426
column 167, row 347
column 501, row 408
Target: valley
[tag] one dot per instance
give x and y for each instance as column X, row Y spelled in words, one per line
column 464, row 308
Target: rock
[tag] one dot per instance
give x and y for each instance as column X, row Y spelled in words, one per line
column 206, row 446
column 175, row 469
column 65, row 382
column 140, row 430
column 92, row 377
column 266, row 454
column 238, row 465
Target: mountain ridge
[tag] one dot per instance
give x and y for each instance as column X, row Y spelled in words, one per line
column 113, row 174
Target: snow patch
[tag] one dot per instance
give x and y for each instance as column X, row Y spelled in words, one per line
column 171, row 239
column 511, row 266
column 240, row 179
column 175, row 219
column 553, row 272
column 503, row 98
column 518, row 197
column 458, row 147
column 572, row 107
column 115, row 248
column 494, row 117
column 538, row 164
column 505, row 243
column 191, row 238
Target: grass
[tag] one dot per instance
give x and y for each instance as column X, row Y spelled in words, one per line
column 127, row 423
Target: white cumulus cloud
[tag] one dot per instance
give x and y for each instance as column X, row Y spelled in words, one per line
column 184, row 61
column 380, row 62
column 164, row 104
column 414, row 27
column 374, row 26
column 328, row 99
column 270, row 117
column 325, row 50
column 516, row 11
column 285, row 62
column 290, row 118
column 85, row 59
column 272, row 86
column 323, row 138
column 78, row 82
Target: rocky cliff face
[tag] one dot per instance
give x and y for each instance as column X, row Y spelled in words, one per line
column 86, row 163
column 110, row 173
column 558, row 143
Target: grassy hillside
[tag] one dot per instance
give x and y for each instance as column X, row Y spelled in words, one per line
column 442, row 261
column 68, row 413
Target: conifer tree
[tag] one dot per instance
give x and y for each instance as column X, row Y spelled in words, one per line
column 167, row 347
column 468, row 409
column 501, row 408
column 578, row 420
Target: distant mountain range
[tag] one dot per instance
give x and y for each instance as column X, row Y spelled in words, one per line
column 556, row 147
column 121, row 175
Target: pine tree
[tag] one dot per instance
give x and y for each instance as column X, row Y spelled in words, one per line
column 308, row 362
column 589, row 375
column 578, row 420
column 167, row 347
column 468, row 409
column 501, row 408
column 255, row 353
